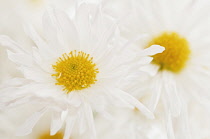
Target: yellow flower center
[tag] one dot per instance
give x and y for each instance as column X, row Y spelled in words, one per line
column 47, row 136
column 176, row 52
column 75, row 71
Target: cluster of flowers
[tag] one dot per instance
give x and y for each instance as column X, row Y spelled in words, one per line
column 129, row 69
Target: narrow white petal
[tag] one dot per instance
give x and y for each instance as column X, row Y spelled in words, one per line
column 184, row 121
column 144, row 61
column 36, row 74
column 14, row 82
column 90, row 121
column 31, row 32
column 130, row 99
column 157, row 89
column 74, row 99
column 152, row 50
column 68, row 29
column 27, row 127
column 56, row 123
column 105, row 38
column 171, row 94
column 64, row 114
column 63, row 27
column 120, row 100
column 83, row 22
column 169, row 127
column 14, row 102
column 50, row 32
column 151, row 69
column 44, row 49
column 69, row 126
column 81, row 117
column 6, row 41
column 20, row 58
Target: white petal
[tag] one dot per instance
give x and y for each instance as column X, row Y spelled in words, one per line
column 169, row 127
column 83, row 23
column 27, row 127
column 151, row 69
column 64, row 114
column 171, row 94
column 6, row 41
column 90, row 121
column 50, row 32
column 66, row 30
column 44, row 49
column 14, row 82
column 130, row 99
column 56, row 123
column 184, row 121
column 144, row 60
column 152, row 50
column 81, row 117
column 74, row 99
column 36, row 74
column 20, row 58
column 120, row 101
column 69, row 126
column 106, row 37
column 14, row 102
column 157, row 89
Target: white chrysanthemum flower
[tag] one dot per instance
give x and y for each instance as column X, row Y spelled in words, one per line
column 182, row 70
column 74, row 70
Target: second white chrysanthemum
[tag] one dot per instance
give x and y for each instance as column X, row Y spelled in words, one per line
column 182, row 70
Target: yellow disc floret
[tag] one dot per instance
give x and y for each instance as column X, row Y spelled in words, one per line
column 47, row 136
column 176, row 52
column 75, row 71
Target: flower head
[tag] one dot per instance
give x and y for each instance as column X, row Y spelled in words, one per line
column 75, row 70
column 182, row 70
